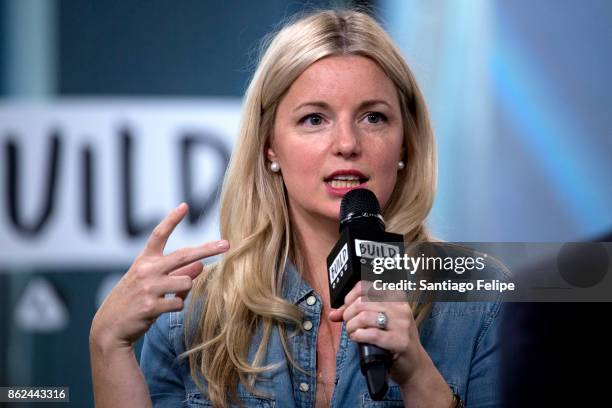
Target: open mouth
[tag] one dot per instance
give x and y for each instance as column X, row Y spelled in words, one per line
column 346, row 181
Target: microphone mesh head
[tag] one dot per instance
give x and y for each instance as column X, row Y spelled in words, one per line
column 360, row 200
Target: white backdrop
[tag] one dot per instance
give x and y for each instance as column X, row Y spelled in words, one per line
column 157, row 130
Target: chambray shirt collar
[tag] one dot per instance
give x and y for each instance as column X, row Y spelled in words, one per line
column 295, row 289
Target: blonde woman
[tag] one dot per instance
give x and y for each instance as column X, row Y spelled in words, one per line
column 331, row 106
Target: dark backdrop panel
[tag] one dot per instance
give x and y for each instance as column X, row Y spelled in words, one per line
column 2, row 48
column 59, row 358
column 190, row 47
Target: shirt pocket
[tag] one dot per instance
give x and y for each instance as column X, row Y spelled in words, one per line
column 196, row 399
column 392, row 399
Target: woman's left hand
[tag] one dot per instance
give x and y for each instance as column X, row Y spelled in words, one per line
column 400, row 337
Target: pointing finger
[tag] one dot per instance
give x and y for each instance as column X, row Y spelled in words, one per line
column 159, row 237
column 185, row 256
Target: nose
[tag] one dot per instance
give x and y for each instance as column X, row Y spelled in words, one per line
column 346, row 141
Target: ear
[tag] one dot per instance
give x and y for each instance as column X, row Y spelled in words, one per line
column 270, row 153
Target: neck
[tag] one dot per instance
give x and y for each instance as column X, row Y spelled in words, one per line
column 317, row 236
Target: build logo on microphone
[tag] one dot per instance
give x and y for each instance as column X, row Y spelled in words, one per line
column 338, row 267
column 372, row 250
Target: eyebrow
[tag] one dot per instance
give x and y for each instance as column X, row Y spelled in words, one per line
column 362, row 105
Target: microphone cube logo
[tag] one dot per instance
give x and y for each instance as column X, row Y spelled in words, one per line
column 338, row 267
column 373, row 250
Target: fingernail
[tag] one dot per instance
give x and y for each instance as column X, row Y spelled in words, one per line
column 223, row 244
column 181, row 206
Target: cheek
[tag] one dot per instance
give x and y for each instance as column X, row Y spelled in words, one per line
column 387, row 182
column 386, row 167
column 301, row 167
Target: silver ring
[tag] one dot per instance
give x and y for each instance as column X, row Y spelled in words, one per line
column 381, row 320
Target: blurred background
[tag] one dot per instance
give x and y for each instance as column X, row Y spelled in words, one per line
column 112, row 112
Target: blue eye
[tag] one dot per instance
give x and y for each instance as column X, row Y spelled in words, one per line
column 313, row 119
column 375, row 117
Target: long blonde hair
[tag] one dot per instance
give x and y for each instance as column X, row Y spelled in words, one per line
column 242, row 291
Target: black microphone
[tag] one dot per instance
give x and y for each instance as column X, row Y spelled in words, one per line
column 362, row 238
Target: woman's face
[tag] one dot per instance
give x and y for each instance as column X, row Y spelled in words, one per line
column 337, row 128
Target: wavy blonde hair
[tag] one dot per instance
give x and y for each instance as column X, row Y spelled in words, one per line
column 242, row 291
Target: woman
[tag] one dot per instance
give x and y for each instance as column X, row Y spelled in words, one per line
column 332, row 106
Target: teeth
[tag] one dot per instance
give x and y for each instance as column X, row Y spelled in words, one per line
column 344, row 183
column 346, row 177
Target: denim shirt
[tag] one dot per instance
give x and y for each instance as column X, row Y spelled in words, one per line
column 460, row 337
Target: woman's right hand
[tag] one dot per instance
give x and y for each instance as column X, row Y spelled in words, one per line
column 139, row 297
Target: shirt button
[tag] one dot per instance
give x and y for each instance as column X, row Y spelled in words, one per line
column 307, row 325
column 304, row 387
column 311, row 300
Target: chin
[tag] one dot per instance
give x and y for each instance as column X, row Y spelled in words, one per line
column 331, row 211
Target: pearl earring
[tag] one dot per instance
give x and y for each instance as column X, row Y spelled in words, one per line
column 275, row 167
column 401, row 165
